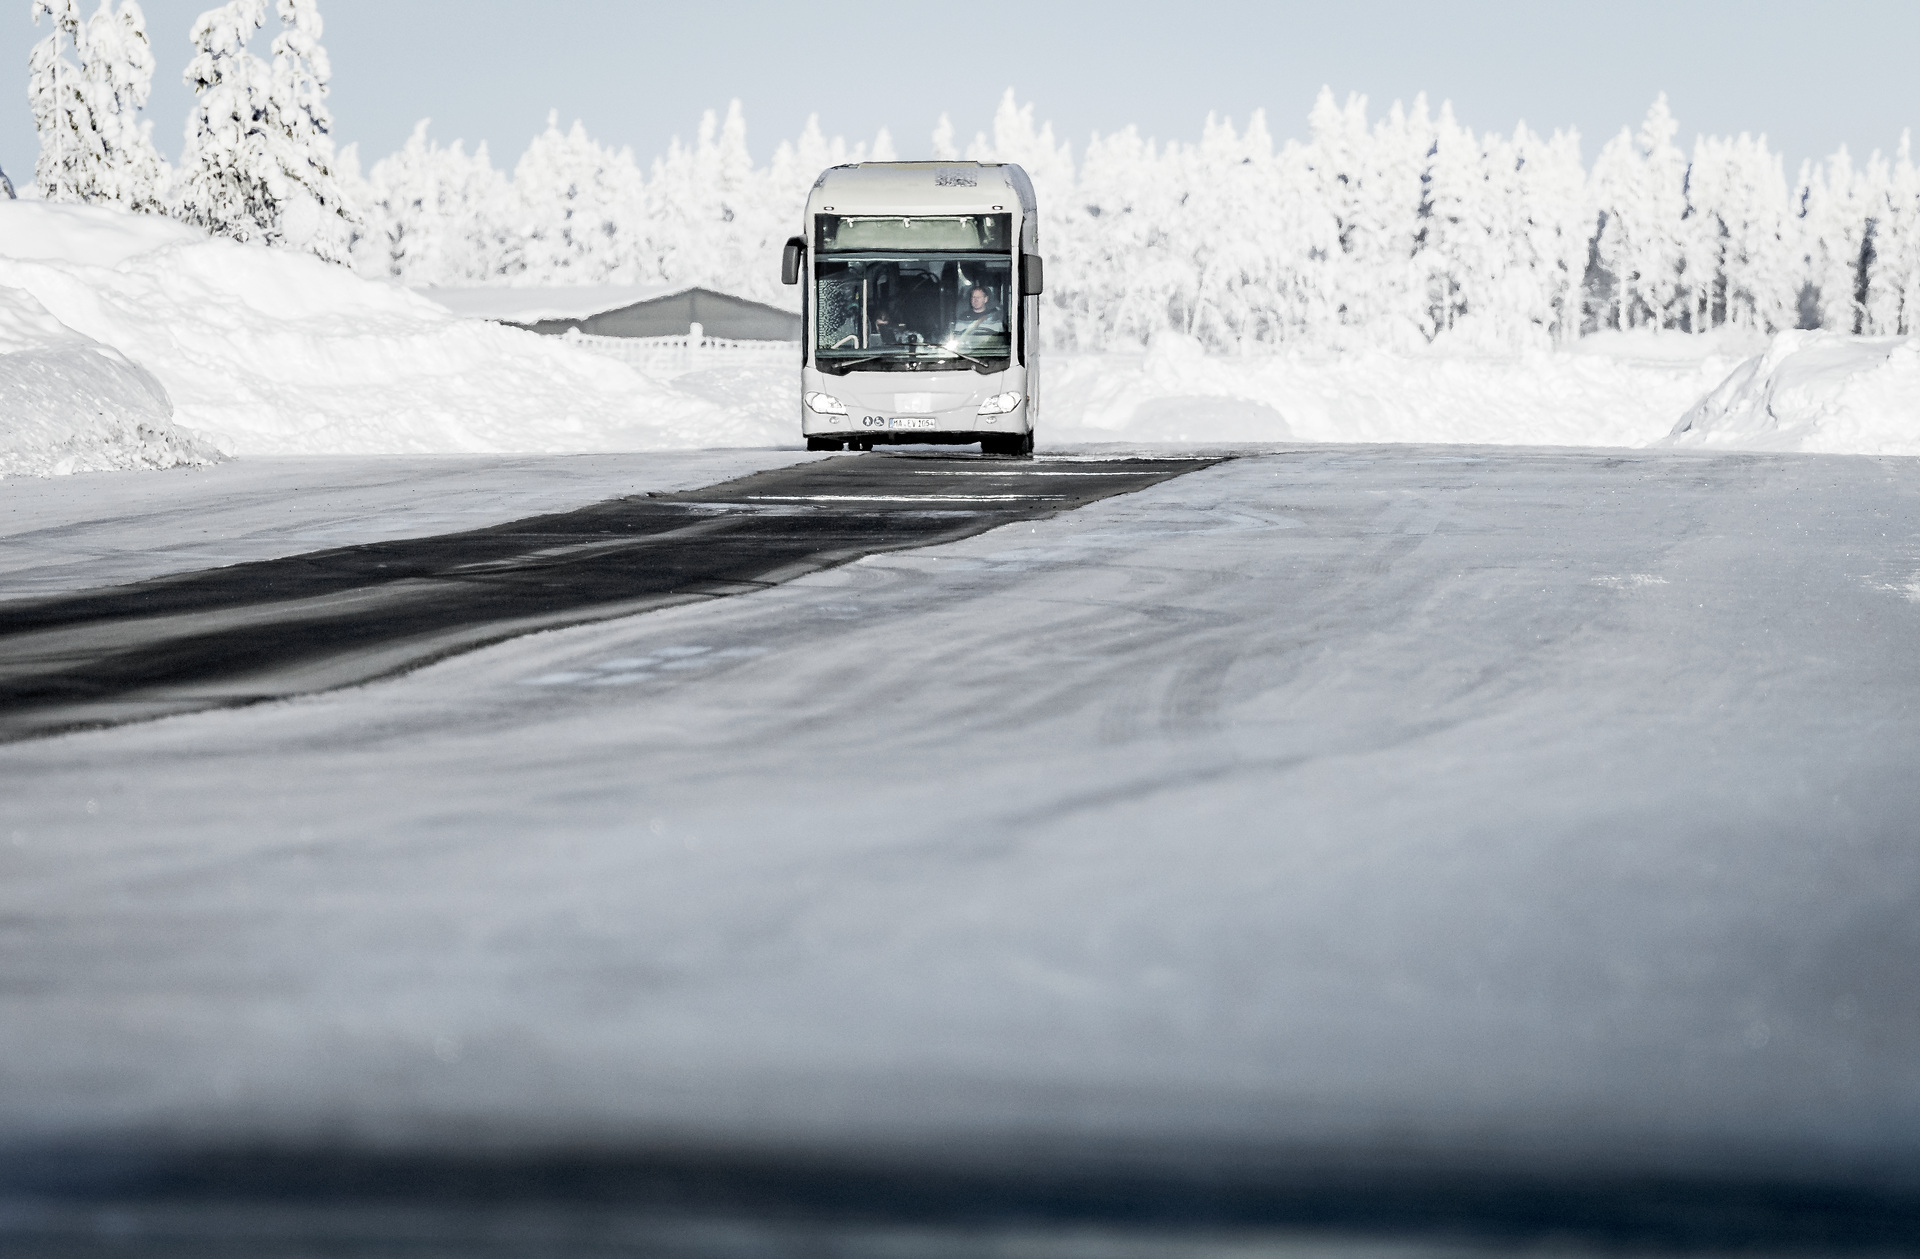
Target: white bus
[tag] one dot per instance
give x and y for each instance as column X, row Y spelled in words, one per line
column 921, row 295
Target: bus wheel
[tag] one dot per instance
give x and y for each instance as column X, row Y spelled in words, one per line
column 1017, row 445
column 823, row 443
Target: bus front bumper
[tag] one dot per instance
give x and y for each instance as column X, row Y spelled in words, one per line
column 944, row 430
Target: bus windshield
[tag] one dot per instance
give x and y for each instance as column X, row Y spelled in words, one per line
column 913, row 292
column 900, row 312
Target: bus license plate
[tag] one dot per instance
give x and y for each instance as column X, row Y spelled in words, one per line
column 910, row 423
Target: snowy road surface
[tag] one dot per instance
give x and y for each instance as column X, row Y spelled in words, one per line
column 294, row 625
column 1555, row 806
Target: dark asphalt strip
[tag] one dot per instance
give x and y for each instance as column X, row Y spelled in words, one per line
column 1033, row 1200
column 338, row 617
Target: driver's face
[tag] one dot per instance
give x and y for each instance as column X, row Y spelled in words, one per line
column 979, row 300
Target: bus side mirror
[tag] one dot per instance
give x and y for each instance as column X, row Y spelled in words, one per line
column 790, row 259
column 1032, row 276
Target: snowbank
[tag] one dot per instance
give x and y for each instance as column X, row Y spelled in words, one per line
column 272, row 352
column 108, row 316
column 1815, row 391
column 1616, row 391
column 71, row 404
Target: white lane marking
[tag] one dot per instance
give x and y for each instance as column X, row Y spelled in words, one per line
column 1032, row 472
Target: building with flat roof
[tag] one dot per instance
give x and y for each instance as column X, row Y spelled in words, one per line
column 622, row 311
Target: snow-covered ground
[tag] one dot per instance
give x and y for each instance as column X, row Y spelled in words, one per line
column 1530, row 802
column 132, row 341
column 272, row 352
column 1817, row 391
column 1614, row 390
column 71, row 404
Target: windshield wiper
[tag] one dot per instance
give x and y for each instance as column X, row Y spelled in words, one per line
column 982, row 363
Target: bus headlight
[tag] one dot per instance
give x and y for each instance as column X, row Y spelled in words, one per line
column 1000, row 404
column 825, row 404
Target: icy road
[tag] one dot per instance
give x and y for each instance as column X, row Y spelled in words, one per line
column 297, row 624
column 1380, row 808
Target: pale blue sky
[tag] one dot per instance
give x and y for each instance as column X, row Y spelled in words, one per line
column 1810, row 75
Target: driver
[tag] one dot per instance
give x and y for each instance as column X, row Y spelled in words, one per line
column 979, row 323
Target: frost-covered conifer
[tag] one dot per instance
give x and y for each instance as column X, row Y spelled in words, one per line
column 1234, row 299
column 118, row 70
column 1640, row 183
column 1833, row 234
column 60, row 112
column 1117, row 275
column 258, row 162
column 1560, row 223
column 93, row 145
column 1373, row 233
column 1456, row 252
column 313, row 211
column 1368, row 181
column 1740, row 260
column 577, row 213
column 1893, row 272
column 229, row 182
column 435, row 215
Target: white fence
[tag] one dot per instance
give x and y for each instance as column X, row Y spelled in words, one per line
column 688, row 351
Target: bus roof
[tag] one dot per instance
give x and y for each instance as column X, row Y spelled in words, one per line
column 922, row 188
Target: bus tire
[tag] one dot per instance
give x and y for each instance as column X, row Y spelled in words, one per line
column 823, row 443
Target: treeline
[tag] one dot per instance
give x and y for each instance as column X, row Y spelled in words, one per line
column 258, row 163
column 1392, row 231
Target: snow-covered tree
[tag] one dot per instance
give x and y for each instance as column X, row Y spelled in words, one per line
column 94, row 147
column 578, row 211
column 1834, row 223
column 1893, row 270
column 1560, row 223
column 1460, row 250
column 258, row 162
column 435, row 215
column 1114, row 269
column 60, row 112
column 1640, row 182
column 229, row 182
column 1385, row 232
column 1739, row 243
column 313, row 211
column 1233, row 294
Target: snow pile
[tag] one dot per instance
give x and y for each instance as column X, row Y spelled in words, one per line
column 274, row 352
column 70, row 404
column 1616, row 390
column 1815, row 391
